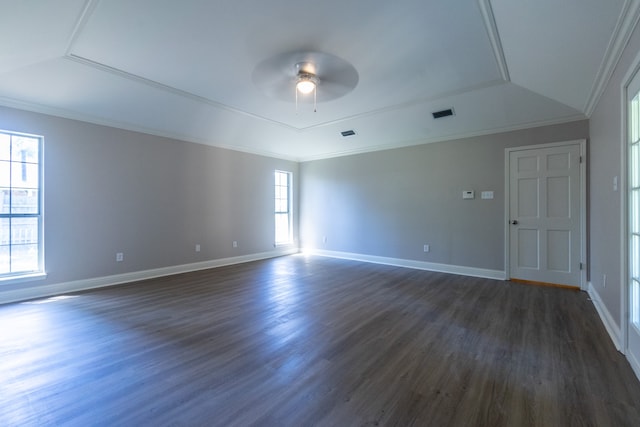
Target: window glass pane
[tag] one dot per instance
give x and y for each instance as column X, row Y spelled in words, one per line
column 24, row 258
column 5, row 146
column 634, row 262
column 5, row 174
column 5, row 261
column 5, row 231
column 24, row 175
column 25, row 149
column 5, row 200
column 282, row 206
column 635, row 165
column 5, row 240
column 282, row 178
column 24, row 230
column 633, row 120
column 282, row 228
column 280, row 192
column 634, row 211
column 25, row 201
column 635, row 296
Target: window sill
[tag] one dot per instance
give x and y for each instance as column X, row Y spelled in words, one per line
column 30, row 277
column 280, row 245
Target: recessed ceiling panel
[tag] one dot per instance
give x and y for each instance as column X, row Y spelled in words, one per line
column 404, row 51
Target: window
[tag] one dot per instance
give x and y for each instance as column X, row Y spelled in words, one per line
column 634, row 206
column 20, row 204
column 283, row 207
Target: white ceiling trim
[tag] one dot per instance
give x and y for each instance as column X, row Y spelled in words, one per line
column 170, row 89
column 215, row 111
column 179, row 92
column 627, row 21
column 488, row 21
column 84, row 16
column 74, row 115
column 494, row 38
column 440, row 96
column 421, row 141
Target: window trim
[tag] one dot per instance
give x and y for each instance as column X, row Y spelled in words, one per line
column 39, row 273
column 288, row 212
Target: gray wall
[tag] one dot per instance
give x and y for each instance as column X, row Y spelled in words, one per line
column 109, row 190
column 606, row 204
column 390, row 203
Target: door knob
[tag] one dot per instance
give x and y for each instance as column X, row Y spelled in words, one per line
column 514, row 222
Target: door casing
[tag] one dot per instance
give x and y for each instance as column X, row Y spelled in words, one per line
column 583, row 203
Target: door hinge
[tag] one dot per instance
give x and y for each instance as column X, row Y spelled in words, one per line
column 581, row 266
column 580, row 159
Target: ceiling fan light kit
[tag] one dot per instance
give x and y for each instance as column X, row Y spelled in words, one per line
column 327, row 76
column 307, row 83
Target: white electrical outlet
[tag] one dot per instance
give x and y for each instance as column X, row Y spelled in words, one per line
column 119, row 257
column 427, row 248
column 235, row 244
column 197, row 248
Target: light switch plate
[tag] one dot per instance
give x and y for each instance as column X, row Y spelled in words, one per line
column 468, row 194
column 487, row 195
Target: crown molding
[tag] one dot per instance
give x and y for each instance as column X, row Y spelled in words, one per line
column 494, row 38
column 627, row 21
column 73, row 115
column 453, row 137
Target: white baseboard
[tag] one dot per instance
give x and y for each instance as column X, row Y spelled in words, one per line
column 408, row 263
column 28, row 293
column 609, row 323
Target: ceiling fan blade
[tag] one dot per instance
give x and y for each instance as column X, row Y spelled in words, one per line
column 276, row 76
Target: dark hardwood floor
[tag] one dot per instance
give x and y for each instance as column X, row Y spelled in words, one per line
column 303, row 341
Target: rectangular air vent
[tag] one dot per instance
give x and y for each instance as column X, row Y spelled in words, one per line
column 348, row 132
column 442, row 113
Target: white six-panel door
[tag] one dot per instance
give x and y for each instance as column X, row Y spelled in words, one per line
column 544, row 213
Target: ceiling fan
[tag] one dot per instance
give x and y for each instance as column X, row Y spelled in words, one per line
column 296, row 76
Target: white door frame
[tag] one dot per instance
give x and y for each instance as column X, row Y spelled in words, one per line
column 625, row 298
column 583, row 203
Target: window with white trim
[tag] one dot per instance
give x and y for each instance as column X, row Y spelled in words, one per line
column 283, row 219
column 21, row 251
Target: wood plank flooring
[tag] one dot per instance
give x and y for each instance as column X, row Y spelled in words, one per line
column 305, row 341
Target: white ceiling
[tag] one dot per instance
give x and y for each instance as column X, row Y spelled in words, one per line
column 184, row 69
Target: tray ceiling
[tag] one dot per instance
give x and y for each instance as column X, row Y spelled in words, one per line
column 184, row 69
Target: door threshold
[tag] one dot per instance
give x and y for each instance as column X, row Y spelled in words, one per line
column 550, row 285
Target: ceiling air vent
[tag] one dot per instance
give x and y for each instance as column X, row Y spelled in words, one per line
column 443, row 113
column 346, row 133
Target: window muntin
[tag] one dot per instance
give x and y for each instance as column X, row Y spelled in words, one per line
column 20, row 204
column 283, row 234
